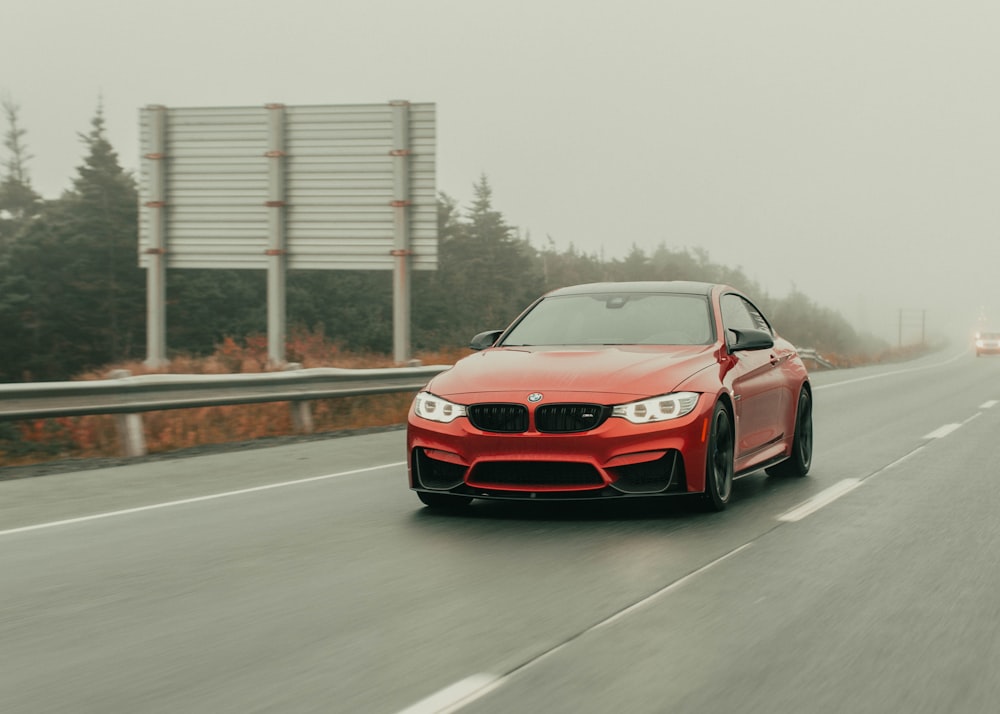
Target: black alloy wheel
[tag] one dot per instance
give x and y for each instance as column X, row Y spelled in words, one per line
column 719, row 461
column 799, row 461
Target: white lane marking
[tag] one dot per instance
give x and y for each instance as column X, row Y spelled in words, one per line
column 828, row 496
column 889, row 374
column 449, row 698
column 823, row 498
column 668, row 589
column 897, row 462
column 989, row 405
column 196, row 499
column 942, row 431
column 479, row 685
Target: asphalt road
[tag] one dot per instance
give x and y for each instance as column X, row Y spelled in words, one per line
column 307, row 578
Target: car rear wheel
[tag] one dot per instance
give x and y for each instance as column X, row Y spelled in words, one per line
column 797, row 464
column 719, row 462
column 443, row 501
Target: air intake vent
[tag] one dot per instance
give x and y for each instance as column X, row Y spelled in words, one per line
column 528, row 474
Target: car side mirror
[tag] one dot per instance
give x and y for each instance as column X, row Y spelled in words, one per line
column 485, row 339
column 750, row 340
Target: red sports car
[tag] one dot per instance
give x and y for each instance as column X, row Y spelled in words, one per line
column 615, row 390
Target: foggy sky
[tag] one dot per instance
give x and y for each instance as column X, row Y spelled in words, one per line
column 847, row 148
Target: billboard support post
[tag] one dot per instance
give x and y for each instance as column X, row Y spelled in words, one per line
column 401, row 272
column 156, row 270
column 276, row 253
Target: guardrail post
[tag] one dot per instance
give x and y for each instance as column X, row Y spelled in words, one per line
column 302, row 418
column 130, row 431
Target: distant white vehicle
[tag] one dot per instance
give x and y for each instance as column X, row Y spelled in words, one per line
column 987, row 343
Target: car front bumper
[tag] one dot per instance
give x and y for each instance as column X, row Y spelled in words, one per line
column 616, row 459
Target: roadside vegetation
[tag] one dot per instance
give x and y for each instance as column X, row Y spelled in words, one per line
column 72, row 305
column 41, row 440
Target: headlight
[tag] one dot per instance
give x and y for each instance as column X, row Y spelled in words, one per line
column 669, row 406
column 434, row 408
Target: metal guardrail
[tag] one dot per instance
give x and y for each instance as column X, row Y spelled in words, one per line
column 153, row 392
column 811, row 355
column 127, row 396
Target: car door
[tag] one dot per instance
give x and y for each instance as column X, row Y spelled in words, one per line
column 758, row 388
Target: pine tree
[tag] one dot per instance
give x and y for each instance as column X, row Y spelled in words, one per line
column 80, row 293
column 18, row 204
column 105, row 228
column 502, row 270
column 18, row 200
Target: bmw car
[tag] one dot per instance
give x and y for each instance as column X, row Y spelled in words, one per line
column 615, row 390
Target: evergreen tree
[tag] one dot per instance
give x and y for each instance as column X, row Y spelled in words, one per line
column 434, row 316
column 18, row 200
column 18, row 205
column 500, row 269
column 571, row 267
column 352, row 308
column 635, row 266
column 486, row 273
column 207, row 305
column 74, row 268
column 104, row 226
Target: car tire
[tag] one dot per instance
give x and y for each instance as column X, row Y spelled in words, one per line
column 799, row 461
column 719, row 460
column 443, row 501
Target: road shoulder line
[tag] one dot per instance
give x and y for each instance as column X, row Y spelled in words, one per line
column 195, row 499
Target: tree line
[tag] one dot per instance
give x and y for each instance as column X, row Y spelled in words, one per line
column 72, row 297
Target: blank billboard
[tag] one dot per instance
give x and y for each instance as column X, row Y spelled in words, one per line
column 208, row 176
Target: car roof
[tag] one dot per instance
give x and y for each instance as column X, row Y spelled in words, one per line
column 688, row 287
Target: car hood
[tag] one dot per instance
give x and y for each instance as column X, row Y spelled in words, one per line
column 624, row 370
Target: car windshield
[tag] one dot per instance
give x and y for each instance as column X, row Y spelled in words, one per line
column 615, row 319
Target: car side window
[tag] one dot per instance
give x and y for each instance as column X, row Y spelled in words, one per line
column 758, row 318
column 740, row 314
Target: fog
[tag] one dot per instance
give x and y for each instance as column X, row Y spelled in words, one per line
column 848, row 149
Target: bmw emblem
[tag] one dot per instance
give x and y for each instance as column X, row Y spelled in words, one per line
column 535, row 397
